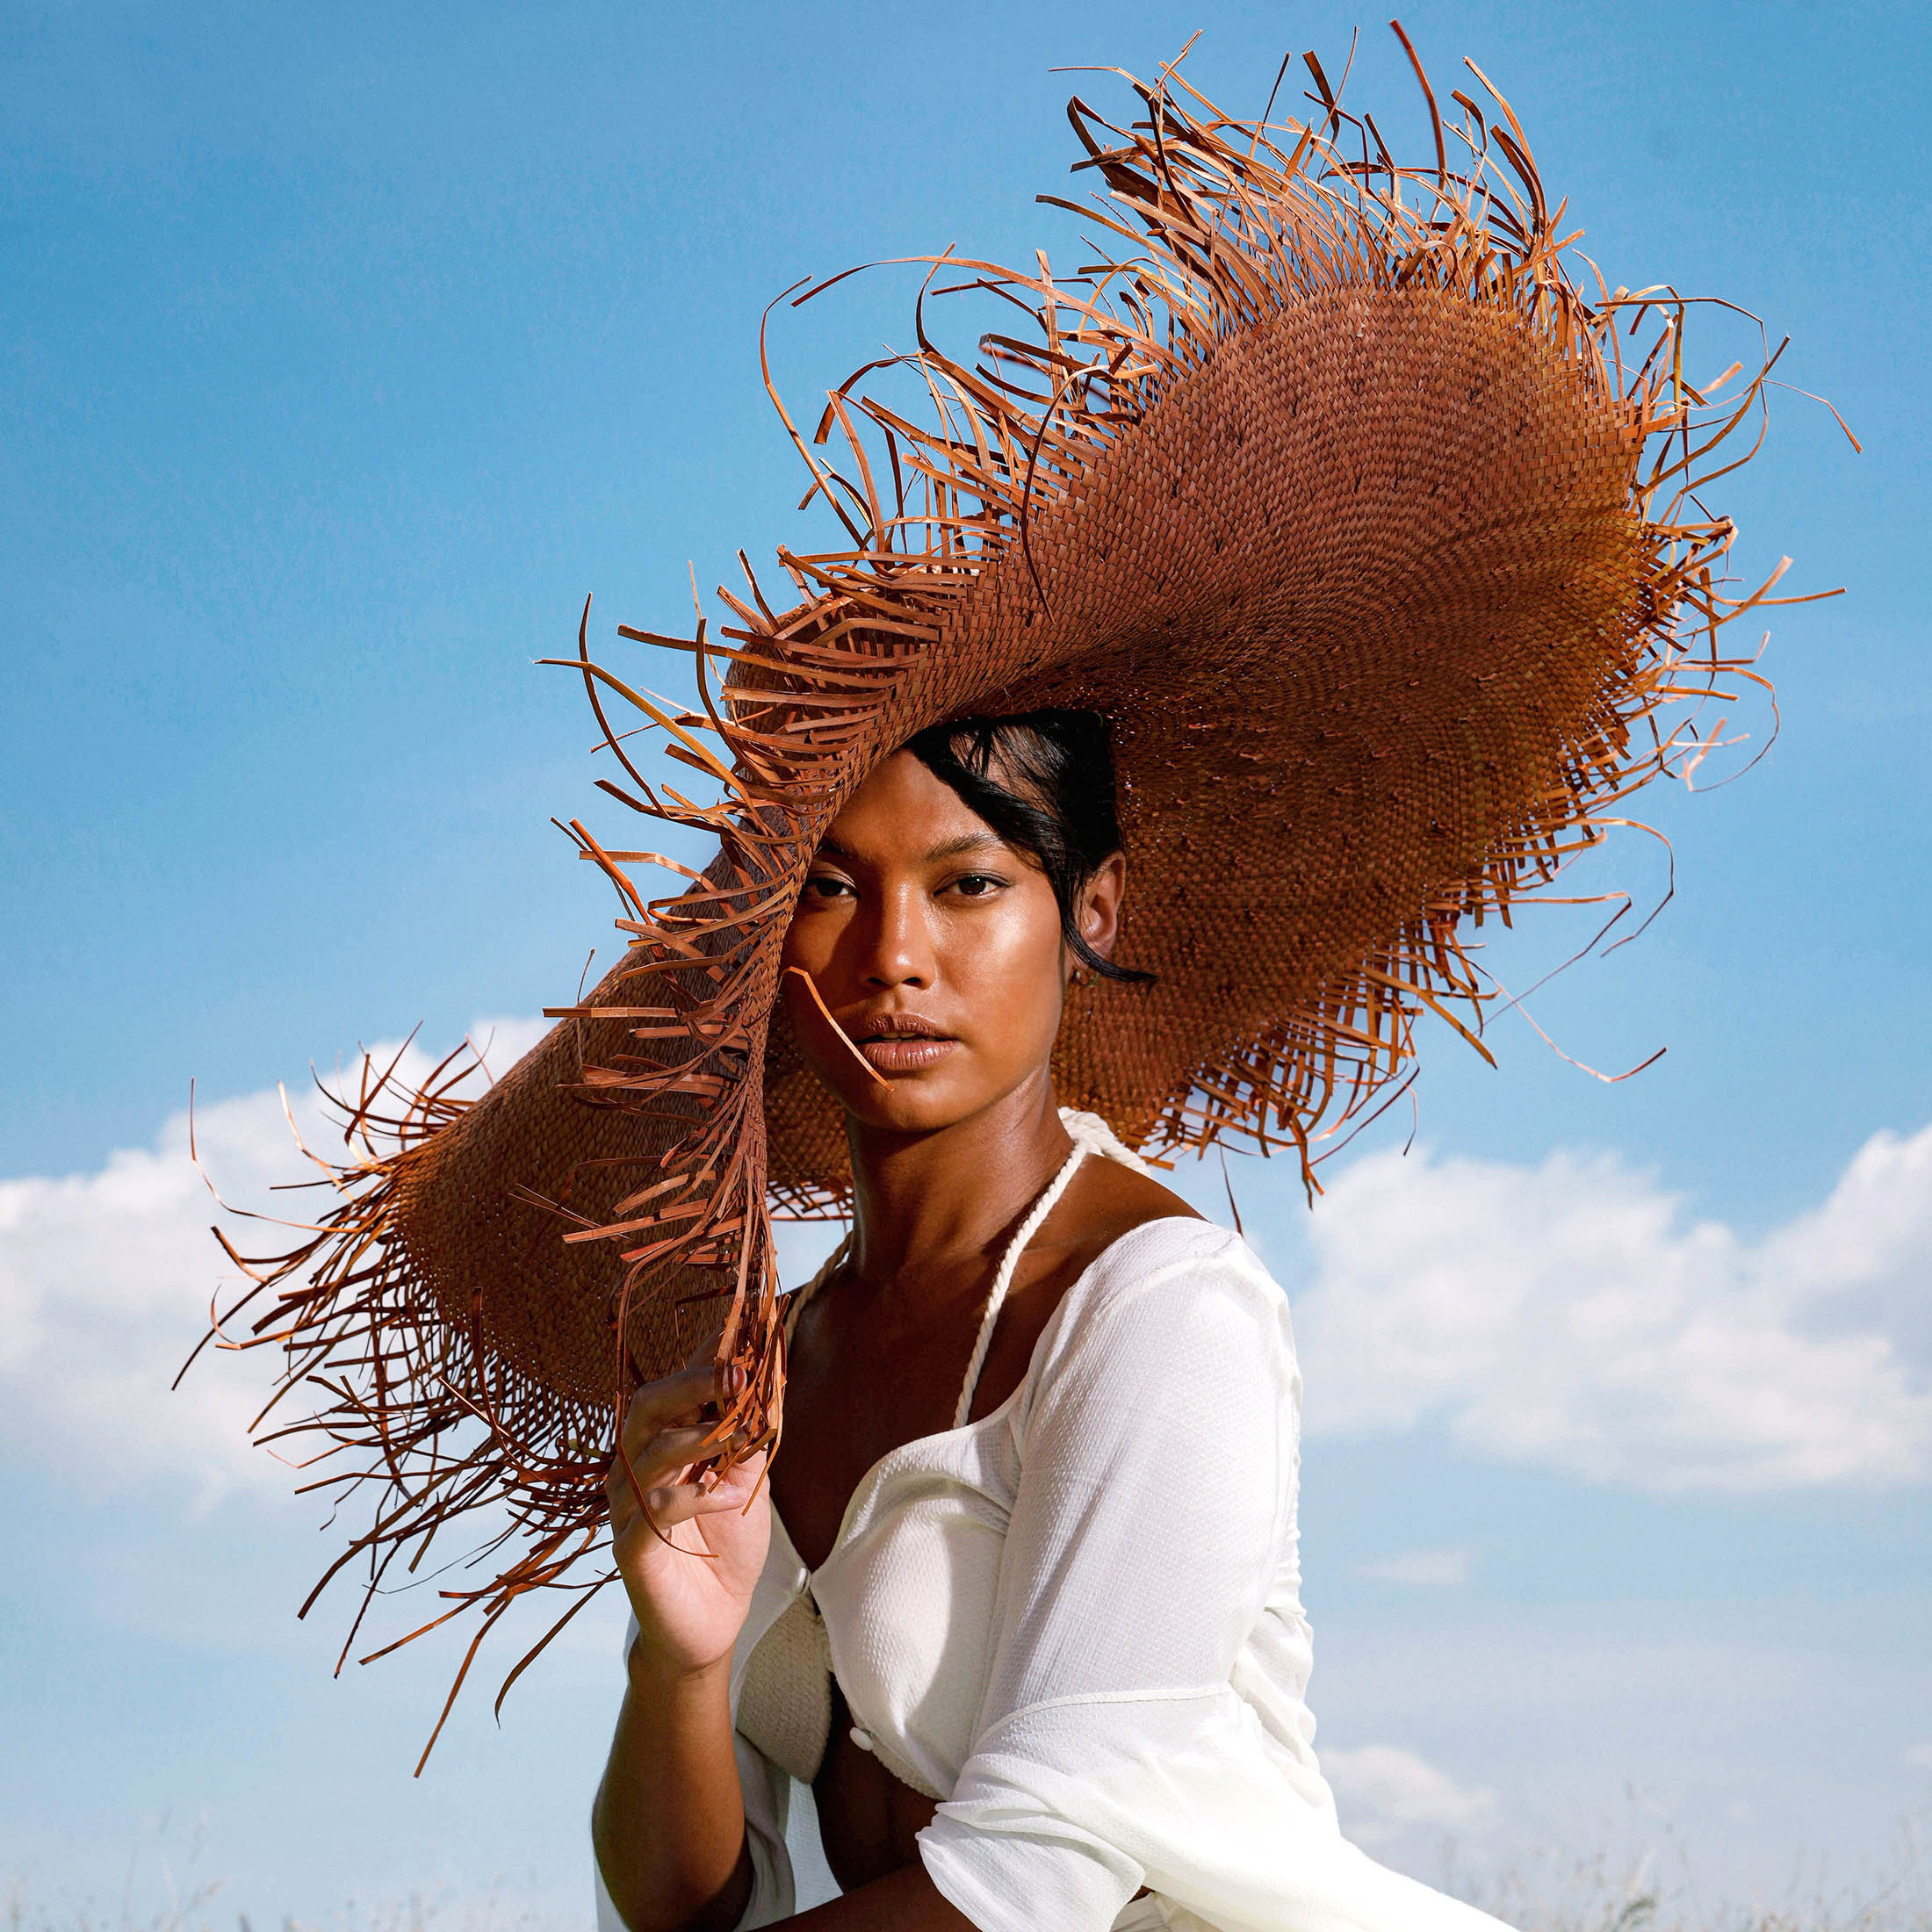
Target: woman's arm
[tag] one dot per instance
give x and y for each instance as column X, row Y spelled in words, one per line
column 1152, row 1530
column 668, row 1825
column 1154, row 1513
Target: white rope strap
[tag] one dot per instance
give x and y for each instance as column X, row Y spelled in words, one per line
column 1003, row 1280
column 1091, row 1134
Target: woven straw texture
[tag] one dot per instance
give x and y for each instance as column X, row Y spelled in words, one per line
column 1327, row 485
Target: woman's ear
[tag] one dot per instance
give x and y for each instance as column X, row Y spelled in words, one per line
column 1097, row 913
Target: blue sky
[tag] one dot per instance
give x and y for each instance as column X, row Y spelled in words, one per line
column 342, row 351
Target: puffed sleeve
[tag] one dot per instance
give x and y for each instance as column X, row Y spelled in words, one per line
column 1159, row 1440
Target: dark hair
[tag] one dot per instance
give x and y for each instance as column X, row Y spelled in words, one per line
column 1052, row 796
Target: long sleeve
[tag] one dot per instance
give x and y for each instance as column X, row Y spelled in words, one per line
column 1154, row 1516
column 1157, row 1449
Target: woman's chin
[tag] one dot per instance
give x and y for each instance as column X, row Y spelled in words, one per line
column 923, row 1100
column 910, row 1103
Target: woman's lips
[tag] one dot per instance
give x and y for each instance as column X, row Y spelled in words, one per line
column 902, row 1042
column 905, row 1053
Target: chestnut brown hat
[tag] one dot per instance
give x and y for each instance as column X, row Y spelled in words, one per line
column 1326, row 485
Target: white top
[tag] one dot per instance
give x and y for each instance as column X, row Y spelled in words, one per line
column 1077, row 1622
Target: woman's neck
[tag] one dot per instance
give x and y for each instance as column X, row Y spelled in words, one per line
column 923, row 1200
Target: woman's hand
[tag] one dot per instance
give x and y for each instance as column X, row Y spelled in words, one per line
column 691, row 1585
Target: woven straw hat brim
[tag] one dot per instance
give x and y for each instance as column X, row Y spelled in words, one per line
column 1326, row 485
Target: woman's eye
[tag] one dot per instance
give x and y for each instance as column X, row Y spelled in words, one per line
column 825, row 886
column 976, row 885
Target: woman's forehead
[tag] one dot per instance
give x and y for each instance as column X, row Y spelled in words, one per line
column 902, row 813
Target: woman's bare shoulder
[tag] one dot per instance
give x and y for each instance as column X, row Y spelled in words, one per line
column 1130, row 1198
column 1106, row 1200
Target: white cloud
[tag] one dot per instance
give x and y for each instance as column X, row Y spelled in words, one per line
column 1380, row 1790
column 105, row 1284
column 1568, row 1313
column 1918, row 1757
column 1571, row 1313
column 1446, row 1568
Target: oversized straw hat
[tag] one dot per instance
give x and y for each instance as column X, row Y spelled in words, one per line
column 1328, row 485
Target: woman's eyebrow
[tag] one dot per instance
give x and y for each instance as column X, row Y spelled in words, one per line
column 967, row 841
column 950, row 848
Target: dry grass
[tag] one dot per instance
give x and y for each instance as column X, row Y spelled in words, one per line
column 1657, row 1890
column 1547, row 1891
column 154, row 1898
column 203, row 1910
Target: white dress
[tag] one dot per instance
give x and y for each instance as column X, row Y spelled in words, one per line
column 1077, row 1623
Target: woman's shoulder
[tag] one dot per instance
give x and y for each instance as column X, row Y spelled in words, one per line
column 1165, row 1278
column 1109, row 1199
column 1123, row 1227
column 1185, row 1249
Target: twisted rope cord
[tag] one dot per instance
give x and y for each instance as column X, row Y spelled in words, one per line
column 1091, row 1134
column 1008, row 1262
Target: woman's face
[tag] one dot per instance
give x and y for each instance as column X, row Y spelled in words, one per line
column 937, row 947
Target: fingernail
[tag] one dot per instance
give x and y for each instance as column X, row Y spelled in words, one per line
column 734, row 1379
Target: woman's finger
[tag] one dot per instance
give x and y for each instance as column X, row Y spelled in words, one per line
column 671, row 1399
column 680, row 1501
column 642, row 1466
column 654, row 1471
column 706, row 1351
column 739, row 1482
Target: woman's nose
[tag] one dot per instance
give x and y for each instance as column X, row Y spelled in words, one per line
column 900, row 951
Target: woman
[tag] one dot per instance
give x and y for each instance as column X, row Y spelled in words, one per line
column 1344, row 508
column 1038, row 1461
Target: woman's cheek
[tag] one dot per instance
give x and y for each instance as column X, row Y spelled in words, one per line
column 811, row 939
column 1012, row 975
